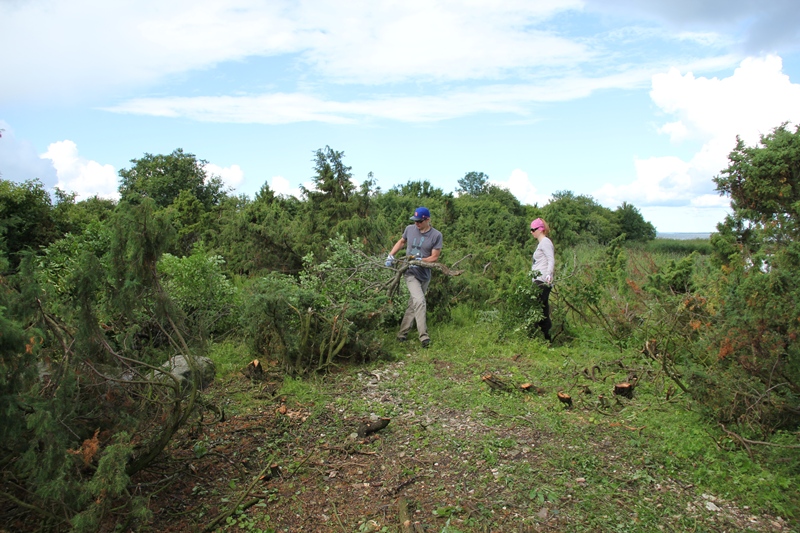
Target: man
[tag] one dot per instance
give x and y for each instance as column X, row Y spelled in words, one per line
column 423, row 242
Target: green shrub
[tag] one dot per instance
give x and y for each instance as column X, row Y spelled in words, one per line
column 332, row 312
column 196, row 283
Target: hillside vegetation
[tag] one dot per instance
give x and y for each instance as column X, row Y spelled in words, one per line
column 97, row 295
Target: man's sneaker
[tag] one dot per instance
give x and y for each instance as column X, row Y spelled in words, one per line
column 401, row 339
column 426, row 343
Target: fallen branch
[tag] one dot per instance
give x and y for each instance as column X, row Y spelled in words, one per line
column 745, row 441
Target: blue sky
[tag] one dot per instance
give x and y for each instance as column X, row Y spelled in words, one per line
column 623, row 100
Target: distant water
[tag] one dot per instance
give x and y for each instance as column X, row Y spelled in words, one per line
column 683, row 236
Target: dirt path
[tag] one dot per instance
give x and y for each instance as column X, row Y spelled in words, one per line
column 452, row 470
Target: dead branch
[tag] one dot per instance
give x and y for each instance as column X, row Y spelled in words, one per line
column 745, row 441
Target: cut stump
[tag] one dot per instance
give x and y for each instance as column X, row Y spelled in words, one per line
column 371, row 427
column 495, row 382
column 624, row 389
column 565, row 398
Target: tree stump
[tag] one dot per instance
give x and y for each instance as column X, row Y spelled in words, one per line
column 624, row 389
column 371, row 427
column 495, row 382
column 565, row 398
column 528, row 387
column 254, row 370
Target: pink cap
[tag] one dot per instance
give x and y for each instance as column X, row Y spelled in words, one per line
column 537, row 224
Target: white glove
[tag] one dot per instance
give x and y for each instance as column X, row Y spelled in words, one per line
column 389, row 260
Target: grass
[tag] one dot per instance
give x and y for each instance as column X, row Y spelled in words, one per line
column 471, row 458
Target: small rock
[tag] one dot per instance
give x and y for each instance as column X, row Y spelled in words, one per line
column 712, row 507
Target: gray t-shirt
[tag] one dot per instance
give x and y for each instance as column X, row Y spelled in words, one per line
column 422, row 245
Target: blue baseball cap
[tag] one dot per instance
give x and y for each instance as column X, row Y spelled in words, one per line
column 421, row 213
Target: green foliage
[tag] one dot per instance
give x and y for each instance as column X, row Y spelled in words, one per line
column 521, row 310
column 674, row 277
column 632, row 223
column 261, row 235
column 198, row 286
column 473, row 184
column 74, row 217
column 336, row 207
column 163, row 178
column 596, row 291
column 576, row 219
column 17, row 360
column 758, row 251
column 26, row 219
column 418, row 189
column 763, row 181
column 64, row 261
column 493, row 218
column 76, row 396
column 331, row 312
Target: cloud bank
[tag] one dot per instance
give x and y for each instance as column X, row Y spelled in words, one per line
column 754, row 100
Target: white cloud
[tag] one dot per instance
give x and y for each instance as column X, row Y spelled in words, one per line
column 755, row 99
column 79, row 175
column 519, row 184
column 118, row 47
column 284, row 108
column 102, row 47
column 378, row 42
column 281, row 185
column 231, row 176
column 684, row 219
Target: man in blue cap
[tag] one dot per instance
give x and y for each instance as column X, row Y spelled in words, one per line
column 423, row 242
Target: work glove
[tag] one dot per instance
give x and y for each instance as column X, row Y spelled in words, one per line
column 389, row 260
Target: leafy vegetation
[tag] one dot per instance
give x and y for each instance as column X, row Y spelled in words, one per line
column 97, row 295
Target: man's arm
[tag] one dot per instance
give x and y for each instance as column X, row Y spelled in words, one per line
column 397, row 246
column 434, row 256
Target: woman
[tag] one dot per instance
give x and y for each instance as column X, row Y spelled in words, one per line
column 543, row 265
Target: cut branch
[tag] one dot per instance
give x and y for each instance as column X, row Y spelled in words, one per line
column 394, row 284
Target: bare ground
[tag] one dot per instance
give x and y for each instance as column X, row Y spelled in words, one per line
column 432, row 461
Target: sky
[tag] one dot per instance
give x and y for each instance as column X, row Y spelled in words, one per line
column 636, row 101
